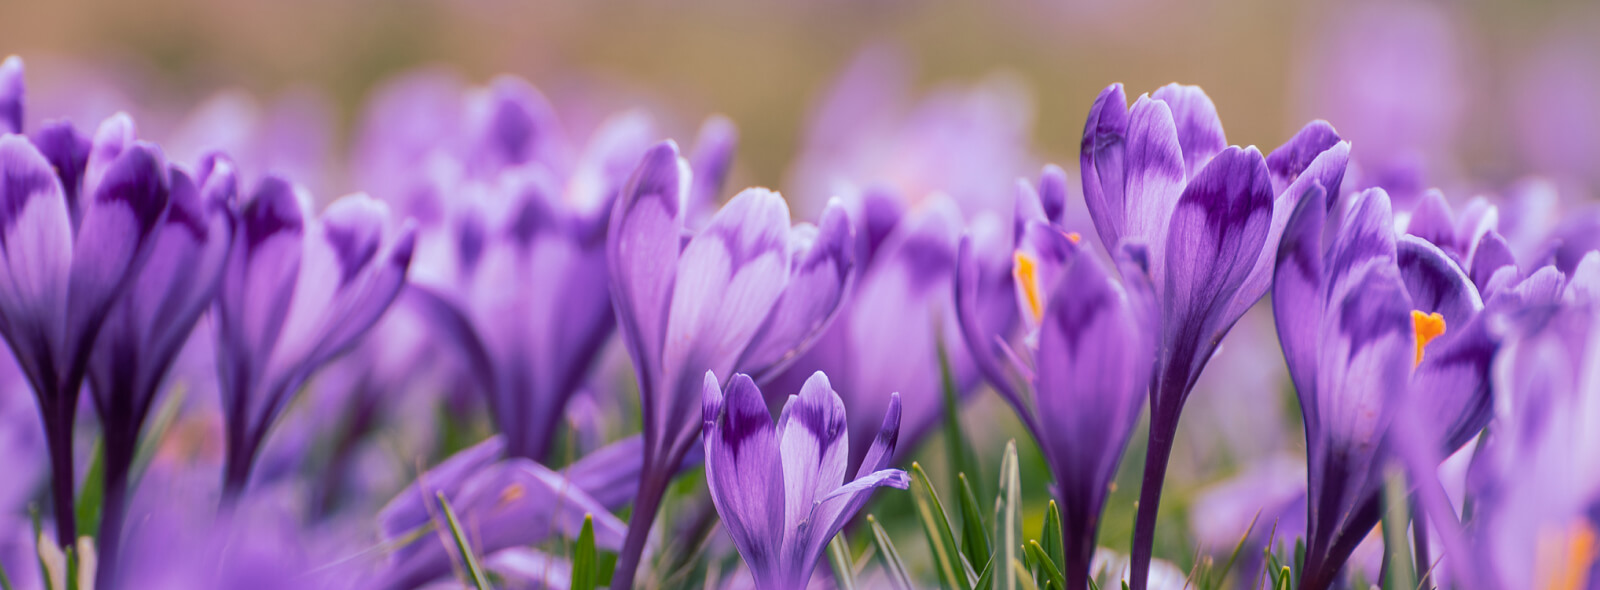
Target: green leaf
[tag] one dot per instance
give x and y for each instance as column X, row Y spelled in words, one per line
column 1052, row 573
column 475, row 571
column 1396, row 543
column 839, row 557
column 1222, row 575
column 974, row 534
column 986, row 577
column 962, row 458
column 1283, row 578
column 893, row 567
column 1010, row 505
column 947, row 560
column 583, row 557
column 1299, row 562
column 1050, row 537
column 94, row 489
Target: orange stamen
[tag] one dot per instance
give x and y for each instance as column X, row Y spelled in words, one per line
column 1427, row 326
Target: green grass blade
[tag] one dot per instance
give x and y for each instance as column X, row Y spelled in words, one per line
column 839, row 557
column 583, row 558
column 93, row 491
column 1020, row 573
column 1052, row 573
column 986, row 577
column 1222, row 575
column 974, row 533
column 474, row 570
column 962, row 458
column 1050, row 538
column 1009, row 517
column 1396, row 543
column 947, row 559
column 893, row 567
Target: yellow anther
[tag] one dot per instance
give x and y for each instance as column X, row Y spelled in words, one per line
column 1026, row 273
column 1074, row 237
column 1563, row 558
column 1427, row 326
column 511, row 494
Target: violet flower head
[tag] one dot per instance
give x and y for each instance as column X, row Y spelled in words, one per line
column 1079, row 378
column 80, row 223
column 780, row 489
column 1373, row 328
column 1161, row 174
column 729, row 299
column 297, row 291
column 12, row 91
column 147, row 327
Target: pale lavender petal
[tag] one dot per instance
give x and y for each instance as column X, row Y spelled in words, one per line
column 12, row 93
column 744, row 471
column 1323, row 172
column 1297, row 288
column 411, row 507
column 1433, row 221
column 1155, row 181
column 1199, row 129
column 1101, row 163
column 822, row 273
column 642, row 252
column 1491, row 255
column 37, row 251
column 115, row 134
column 814, row 447
column 986, row 306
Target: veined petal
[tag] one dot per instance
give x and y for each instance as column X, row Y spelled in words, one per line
column 511, row 123
column 12, row 94
column 114, row 238
column 821, row 275
column 1295, row 157
column 744, row 471
column 411, row 507
column 1155, row 180
column 1324, row 173
column 830, row 513
column 1199, row 128
column 1491, row 255
column 1435, row 283
column 728, row 280
column 814, row 447
column 115, row 134
column 1297, row 289
column 985, row 305
column 712, row 159
column 641, row 254
column 36, row 244
column 258, row 285
column 1101, row 161
column 68, row 151
column 1217, row 235
column 1433, row 221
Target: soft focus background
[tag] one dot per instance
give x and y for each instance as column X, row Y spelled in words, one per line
column 1476, row 97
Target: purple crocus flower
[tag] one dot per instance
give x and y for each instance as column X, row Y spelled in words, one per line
column 1373, row 327
column 780, row 490
column 145, row 329
column 729, row 299
column 12, row 91
column 81, row 221
column 1079, row 379
column 1161, row 174
column 297, row 291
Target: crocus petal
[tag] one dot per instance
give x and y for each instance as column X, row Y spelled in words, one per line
column 833, row 511
column 512, row 123
column 1101, row 163
column 114, row 135
column 712, row 159
column 1199, row 128
column 1433, row 221
column 257, row 287
column 37, row 250
column 1296, row 156
column 68, row 152
column 114, row 238
column 814, row 447
column 1435, row 283
column 1583, row 286
column 411, row 507
column 1297, row 288
column 744, row 471
column 1217, row 235
column 1491, row 255
column 1324, row 172
column 1053, row 192
column 641, row 253
column 881, row 454
column 615, row 151
column 1155, row 179
column 822, row 272
column 985, row 305
column 12, row 92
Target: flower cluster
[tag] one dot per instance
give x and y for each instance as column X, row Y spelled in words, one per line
column 490, row 368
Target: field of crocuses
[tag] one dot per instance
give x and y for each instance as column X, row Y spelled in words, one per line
column 558, row 334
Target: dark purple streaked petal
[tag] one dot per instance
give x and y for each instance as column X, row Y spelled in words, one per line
column 1053, row 192
column 253, row 302
column 13, row 92
column 1199, row 129
column 1323, row 172
column 880, row 455
column 1217, row 234
column 1297, row 289
column 1101, row 163
column 114, row 237
column 814, row 447
column 68, row 151
column 821, row 274
column 36, row 243
column 1155, row 179
column 744, row 471
column 1434, row 281
column 511, row 124
column 642, row 252
column 114, row 135
column 841, row 504
column 1297, row 155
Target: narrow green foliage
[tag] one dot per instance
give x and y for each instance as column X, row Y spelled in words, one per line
column 474, row 570
column 94, row 489
column 1222, row 575
column 583, row 557
column 974, row 534
column 1283, row 578
column 1299, row 561
column 1396, row 543
column 1050, row 538
column 947, row 559
column 893, row 567
column 1009, row 506
column 962, row 458
column 1020, row 573
column 839, row 557
column 1052, row 574
column 985, row 577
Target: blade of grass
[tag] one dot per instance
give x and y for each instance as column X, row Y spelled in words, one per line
column 1011, row 505
column 93, row 490
column 474, row 570
column 1050, row 538
column 962, row 458
column 893, row 567
column 839, row 558
column 1025, row 578
column 583, row 557
column 1222, row 575
column 1396, row 543
column 947, row 560
column 974, row 534
column 1053, row 574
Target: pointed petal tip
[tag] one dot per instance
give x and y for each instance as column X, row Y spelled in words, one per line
column 12, row 94
column 710, row 399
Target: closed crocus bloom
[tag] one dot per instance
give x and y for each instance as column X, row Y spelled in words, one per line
column 1079, row 377
column 12, row 88
column 146, row 328
column 69, row 258
column 729, row 299
column 1161, row 173
column 1377, row 331
column 297, row 291
column 780, row 489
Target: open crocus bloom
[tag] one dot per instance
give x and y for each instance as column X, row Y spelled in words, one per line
column 780, row 490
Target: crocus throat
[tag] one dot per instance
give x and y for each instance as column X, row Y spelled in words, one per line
column 1074, row 237
column 1427, row 326
column 1026, row 273
column 1565, row 557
